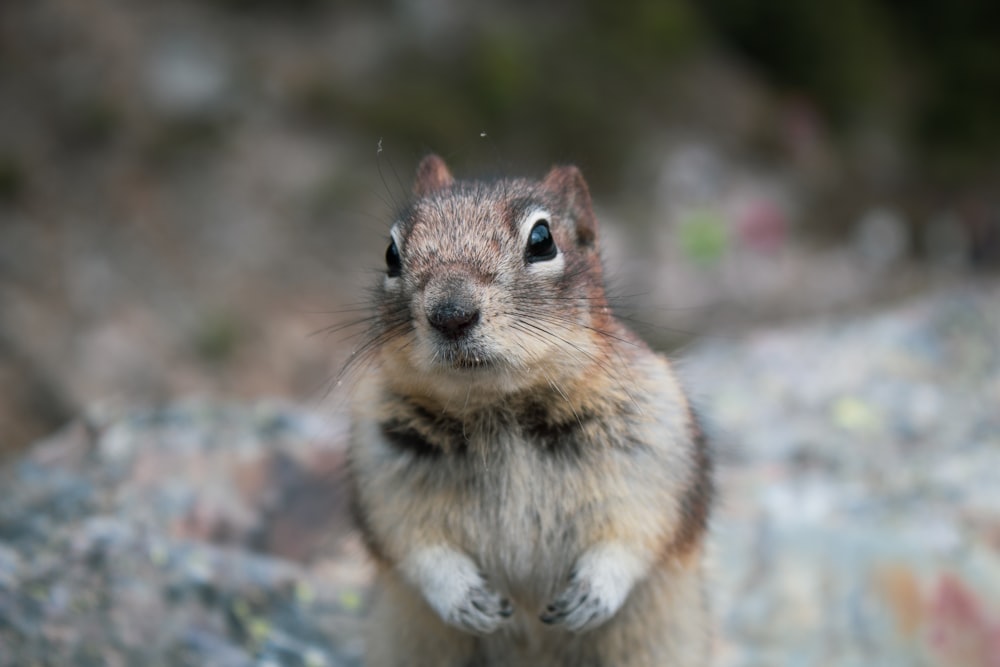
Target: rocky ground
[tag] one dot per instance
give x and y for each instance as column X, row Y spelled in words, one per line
column 859, row 522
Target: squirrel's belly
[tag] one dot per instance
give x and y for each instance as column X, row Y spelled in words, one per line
column 525, row 535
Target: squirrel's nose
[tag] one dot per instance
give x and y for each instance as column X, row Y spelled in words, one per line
column 453, row 318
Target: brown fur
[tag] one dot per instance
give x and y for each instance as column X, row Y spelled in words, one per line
column 546, row 432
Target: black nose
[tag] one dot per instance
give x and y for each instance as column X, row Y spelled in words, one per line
column 453, row 318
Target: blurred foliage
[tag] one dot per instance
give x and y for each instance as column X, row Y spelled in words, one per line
column 175, row 140
column 89, row 125
column 838, row 54
column 575, row 81
column 956, row 46
column 11, row 178
column 217, row 336
column 934, row 66
column 556, row 84
column 286, row 6
column 702, row 235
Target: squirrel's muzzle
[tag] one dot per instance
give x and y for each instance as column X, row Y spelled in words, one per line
column 451, row 308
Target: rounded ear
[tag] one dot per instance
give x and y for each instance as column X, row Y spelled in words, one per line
column 571, row 191
column 432, row 175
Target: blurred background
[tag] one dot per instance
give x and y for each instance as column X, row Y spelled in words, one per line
column 189, row 189
column 799, row 199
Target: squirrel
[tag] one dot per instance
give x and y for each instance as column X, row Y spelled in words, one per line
column 528, row 476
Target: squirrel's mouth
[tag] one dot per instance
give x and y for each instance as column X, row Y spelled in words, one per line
column 464, row 357
column 472, row 364
column 465, row 361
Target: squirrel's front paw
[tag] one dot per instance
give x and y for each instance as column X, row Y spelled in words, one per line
column 477, row 608
column 597, row 589
column 457, row 591
column 581, row 606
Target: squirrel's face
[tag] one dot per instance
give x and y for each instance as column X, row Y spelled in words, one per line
column 491, row 287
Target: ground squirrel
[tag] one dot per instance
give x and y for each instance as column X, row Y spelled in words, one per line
column 527, row 474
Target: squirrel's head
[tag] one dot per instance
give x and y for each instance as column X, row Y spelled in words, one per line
column 491, row 287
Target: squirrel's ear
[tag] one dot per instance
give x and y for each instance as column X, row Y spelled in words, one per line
column 573, row 194
column 432, row 175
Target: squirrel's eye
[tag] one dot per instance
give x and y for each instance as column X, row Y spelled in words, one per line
column 541, row 245
column 394, row 266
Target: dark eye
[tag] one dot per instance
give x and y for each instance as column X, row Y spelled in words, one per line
column 541, row 245
column 394, row 266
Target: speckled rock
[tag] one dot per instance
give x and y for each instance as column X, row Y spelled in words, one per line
column 180, row 536
column 860, row 510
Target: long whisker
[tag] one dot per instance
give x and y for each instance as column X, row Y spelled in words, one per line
column 570, row 324
column 595, row 360
column 555, row 386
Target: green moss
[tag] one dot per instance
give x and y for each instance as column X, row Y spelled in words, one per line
column 702, row 235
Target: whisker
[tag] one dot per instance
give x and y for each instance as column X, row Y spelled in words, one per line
column 555, row 386
column 381, row 175
column 366, row 350
column 570, row 324
column 343, row 326
column 595, row 360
